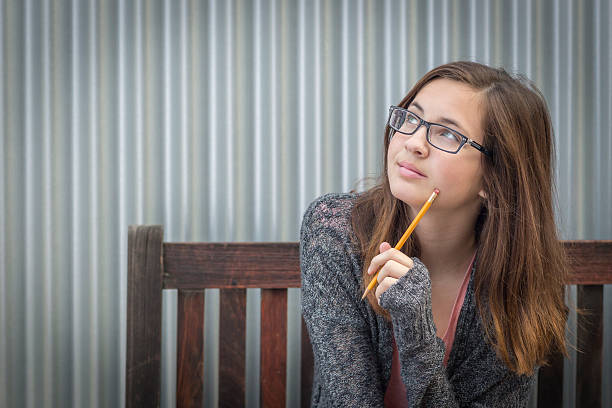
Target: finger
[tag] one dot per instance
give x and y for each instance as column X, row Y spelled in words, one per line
column 383, row 286
column 392, row 269
column 384, row 246
column 395, row 267
column 379, row 259
column 385, row 271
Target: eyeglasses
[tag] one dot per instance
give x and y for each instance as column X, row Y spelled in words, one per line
column 439, row 136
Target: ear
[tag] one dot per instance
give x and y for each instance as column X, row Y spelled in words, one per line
column 482, row 194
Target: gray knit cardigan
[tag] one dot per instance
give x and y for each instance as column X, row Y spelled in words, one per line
column 352, row 345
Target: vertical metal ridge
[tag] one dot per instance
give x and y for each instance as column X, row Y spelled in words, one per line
column 284, row 128
column 167, row 122
column 29, row 158
column 472, row 29
column 241, row 88
column 197, row 118
column 185, row 210
column 318, row 162
column 3, row 228
column 578, row 66
column 301, row 101
column 555, row 89
column 609, row 116
column 139, row 182
column 387, row 51
column 258, row 120
column 414, row 58
column 528, row 39
column 430, row 37
column 105, row 389
column 361, row 151
column 229, row 123
column 93, row 259
column 597, row 163
column 515, row 35
column 77, row 371
column 344, row 94
column 213, row 121
column 487, row 42
column 445, row 33
column 569, row 79
column 403, row 46
column 47, row 205
column 274, row 193
column 122, row 200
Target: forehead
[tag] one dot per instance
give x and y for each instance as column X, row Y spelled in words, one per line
column 445, row 98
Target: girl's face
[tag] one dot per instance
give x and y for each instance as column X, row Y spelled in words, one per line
column 458, row 176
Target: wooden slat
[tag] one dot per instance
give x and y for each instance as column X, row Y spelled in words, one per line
column 232, row 343
column 589, row 356
column 144, row 316
column 550, row 383
column 307, row 367
column 190, row 349
column 231, row 265
column 273, row 362
column 591, row 262
column 276, row 264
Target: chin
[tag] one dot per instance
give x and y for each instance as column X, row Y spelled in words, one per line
column 413, row 195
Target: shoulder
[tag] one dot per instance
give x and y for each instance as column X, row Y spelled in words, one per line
column 331, row 209
column 329, row 216
column 327, row 238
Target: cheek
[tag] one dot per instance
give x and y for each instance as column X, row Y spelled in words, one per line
column 392, row 152
column 459, row 178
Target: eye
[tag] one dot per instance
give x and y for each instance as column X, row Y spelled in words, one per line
column 447, row 134
column 413, row 120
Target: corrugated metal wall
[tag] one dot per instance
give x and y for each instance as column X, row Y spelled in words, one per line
column 222, row 120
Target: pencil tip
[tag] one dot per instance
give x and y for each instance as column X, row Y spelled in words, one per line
column 436, row 191
column 364, row 295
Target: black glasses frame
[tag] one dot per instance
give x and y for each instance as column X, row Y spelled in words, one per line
column 464, row 139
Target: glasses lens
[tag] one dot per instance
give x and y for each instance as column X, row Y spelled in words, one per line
column 403, row 121
column 444, row 138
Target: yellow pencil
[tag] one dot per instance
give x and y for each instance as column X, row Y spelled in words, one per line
column 404, row 237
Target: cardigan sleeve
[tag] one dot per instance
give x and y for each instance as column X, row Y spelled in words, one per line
column 346, row 370
column 481, row 381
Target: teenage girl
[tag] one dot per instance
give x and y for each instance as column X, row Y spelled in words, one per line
column 473, row 303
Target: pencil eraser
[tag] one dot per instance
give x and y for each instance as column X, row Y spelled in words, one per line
column 436, row 191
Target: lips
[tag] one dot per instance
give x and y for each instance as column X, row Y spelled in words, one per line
column 411, row 167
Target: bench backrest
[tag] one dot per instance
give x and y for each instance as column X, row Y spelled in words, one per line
column 154, row 265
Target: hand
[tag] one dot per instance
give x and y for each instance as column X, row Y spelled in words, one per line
column 395, row 264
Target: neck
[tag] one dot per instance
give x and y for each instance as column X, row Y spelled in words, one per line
column 447, row 241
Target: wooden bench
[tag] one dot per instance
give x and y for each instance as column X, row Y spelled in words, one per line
column 154, row 265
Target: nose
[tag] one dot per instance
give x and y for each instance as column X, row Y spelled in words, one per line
column 417, row 142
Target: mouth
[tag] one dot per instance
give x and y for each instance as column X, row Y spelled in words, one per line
column 409, row 169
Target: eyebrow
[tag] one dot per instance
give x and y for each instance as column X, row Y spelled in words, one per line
column 442, row 120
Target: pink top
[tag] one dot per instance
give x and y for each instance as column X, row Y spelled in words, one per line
column 395, row 395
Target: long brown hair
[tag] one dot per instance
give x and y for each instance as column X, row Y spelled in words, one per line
column 521, row 266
